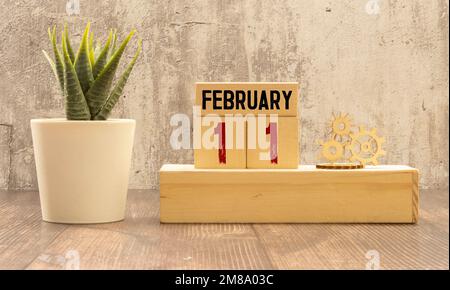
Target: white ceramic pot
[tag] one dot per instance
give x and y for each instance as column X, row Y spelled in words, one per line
column 83, row 169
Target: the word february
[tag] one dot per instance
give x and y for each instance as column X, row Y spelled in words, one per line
column 243, row 100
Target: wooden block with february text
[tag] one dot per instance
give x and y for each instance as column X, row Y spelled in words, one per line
column 273, row 143
column 376, row 194
column 222, row 143
column 247, row 98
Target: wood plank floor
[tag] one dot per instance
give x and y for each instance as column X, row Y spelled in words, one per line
column 141, row 242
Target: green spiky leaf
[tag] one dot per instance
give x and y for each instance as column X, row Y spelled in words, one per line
column 52, row 63
column 97, row 50
column 86, row 97
column 82, row 63
column 102, row 59
column 118, row 88
column 59, row 65
column 114, row 45
column 98, row 93
column 76, row 106
column 69, row 46
column 92, row 59
column 91, row 50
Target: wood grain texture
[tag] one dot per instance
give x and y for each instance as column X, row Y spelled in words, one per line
column 212, row 246
column 23, row 236
column 420, row 246
column 141, row 242
column 101, row 249
column 381, row 194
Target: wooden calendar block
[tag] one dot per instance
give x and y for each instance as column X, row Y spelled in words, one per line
column 376, row 194
column 273, row 143
column 221, row 142
column 247, row 98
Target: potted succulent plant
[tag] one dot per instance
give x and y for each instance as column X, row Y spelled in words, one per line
column 83, row 161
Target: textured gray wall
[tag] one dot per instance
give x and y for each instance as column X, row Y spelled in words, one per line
column 387, row 67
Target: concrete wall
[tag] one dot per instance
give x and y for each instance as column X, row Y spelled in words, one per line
column 383, row 61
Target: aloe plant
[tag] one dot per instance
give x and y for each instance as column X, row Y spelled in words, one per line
column 87, row 77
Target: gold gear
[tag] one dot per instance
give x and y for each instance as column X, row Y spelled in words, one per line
column 365, row 147
column 341, row 125
column 327, row 152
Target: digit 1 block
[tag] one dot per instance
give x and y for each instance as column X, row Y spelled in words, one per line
column 272, row 143
column 221, row 142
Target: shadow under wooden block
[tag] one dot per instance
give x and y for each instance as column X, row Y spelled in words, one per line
column 223, row 143
column 376, row 194
column 281, row 148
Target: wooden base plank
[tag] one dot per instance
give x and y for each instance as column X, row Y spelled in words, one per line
column 376, row 194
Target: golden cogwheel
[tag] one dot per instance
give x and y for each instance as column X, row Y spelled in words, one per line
column 332, row 150
column 341, row 125
column 365, row 146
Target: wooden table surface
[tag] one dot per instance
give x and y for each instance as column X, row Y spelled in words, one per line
column 141, row 242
